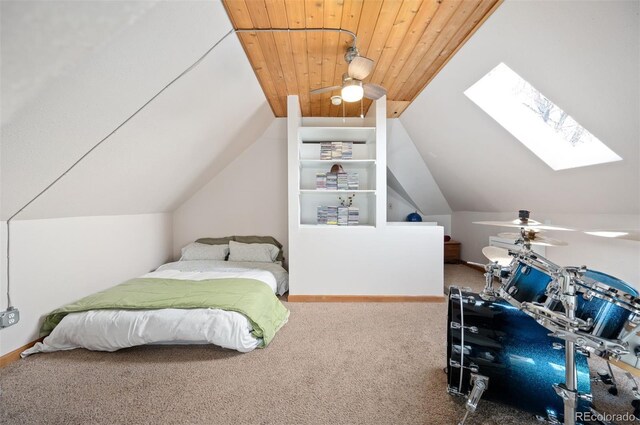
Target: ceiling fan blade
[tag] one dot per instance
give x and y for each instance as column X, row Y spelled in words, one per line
column 374, row 91
column 360, row 68
column 325, row 89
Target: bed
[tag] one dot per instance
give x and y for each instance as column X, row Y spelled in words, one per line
column 210, row 296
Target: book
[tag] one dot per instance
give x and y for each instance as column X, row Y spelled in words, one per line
column 353, row 182
column 325, row 150
column 342, row 181
column 332, row 215
column 336, row 150
column 353, row 216
column 321, row 181
column 322, row 215
column 343, row 216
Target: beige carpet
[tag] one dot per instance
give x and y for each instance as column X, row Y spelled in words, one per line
column 336, row 363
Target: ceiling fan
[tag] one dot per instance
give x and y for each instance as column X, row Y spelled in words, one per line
column 352, row 89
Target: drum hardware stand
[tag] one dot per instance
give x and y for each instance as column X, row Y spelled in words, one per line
column 488, row 293
column 480, row 384
column 569, row 390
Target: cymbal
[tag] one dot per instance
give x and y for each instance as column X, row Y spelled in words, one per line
column 534, row 239
column 528, row 225
column 497, row 255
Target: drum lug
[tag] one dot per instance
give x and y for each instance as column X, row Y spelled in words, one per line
column 472, row 367
column 469, row 299
column 472, row 329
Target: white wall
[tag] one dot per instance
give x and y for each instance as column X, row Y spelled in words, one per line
column 585, row 57
column 248, row 197
column 159, row 158
column 57, row 261
column 398, row 209
column 410, row 170
column 617, row 257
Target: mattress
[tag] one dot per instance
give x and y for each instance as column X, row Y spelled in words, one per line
column 111, row 330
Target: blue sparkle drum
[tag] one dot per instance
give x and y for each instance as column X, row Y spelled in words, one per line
column 606, row 302
column 497, row 340
column 529, row 279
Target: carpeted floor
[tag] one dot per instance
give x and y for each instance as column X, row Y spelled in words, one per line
column 340, row 363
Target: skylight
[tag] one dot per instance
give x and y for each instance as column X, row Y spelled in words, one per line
column 537, row 122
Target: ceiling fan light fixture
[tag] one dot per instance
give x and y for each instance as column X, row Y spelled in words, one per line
column 352, row 91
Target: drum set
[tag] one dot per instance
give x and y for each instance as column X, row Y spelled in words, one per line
column 525, row 341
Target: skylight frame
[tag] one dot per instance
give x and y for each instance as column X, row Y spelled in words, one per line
column 537, row 122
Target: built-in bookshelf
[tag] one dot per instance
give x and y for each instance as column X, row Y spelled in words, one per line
column 361, row 259
column 316, row 190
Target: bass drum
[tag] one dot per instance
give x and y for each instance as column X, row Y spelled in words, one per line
column 510, row 348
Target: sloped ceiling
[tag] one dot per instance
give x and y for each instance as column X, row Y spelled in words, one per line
column 582, row 55
column 73, row 71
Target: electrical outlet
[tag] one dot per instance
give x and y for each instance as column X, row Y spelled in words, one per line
column 9, row 317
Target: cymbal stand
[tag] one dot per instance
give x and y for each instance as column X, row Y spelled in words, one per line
column 488, row 293
column 569, row 390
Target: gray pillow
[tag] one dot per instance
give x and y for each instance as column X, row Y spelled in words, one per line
column 256, row 252
column 262, row 239
column 200, row 251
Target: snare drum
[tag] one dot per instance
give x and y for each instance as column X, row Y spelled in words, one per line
column 522, row 362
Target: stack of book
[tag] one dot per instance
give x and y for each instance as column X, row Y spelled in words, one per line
column 336, row 150
column 340, row 216
column 332, row 181
column 347, row 150
column 321, row 181
column 343, row 181
column 332, row 215
column 325, row 150
column 354, row 215
column 322, row 215
column 337, row 181
column 343, row 216
column 352, row 181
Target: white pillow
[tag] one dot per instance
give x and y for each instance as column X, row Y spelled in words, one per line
column 202, row 251
column 258, row 252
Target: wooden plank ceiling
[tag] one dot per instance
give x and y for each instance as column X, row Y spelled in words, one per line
column 409, row 40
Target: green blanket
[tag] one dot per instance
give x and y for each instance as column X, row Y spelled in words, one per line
column 250, row 297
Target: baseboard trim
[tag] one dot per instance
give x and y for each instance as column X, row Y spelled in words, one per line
column 15, row 354
column 474, row 267
column 366, row 298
